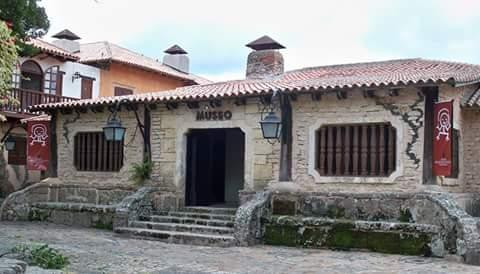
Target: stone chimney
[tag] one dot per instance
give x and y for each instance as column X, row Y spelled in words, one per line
column 265, row 61
column 67, row 40
column 175, row 57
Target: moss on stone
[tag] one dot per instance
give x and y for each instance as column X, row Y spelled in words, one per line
column 405, row 216
column 281, row 235
column 38, row 215
column 102, row 225
column 343, row 235
column 335, row 212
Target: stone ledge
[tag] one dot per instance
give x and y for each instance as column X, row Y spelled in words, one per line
column 385, row 237
column 76, row 207
column 10, row 266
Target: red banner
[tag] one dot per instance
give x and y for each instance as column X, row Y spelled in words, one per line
column 442, row 139
column 38, row 145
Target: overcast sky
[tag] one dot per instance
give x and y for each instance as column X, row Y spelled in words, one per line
column 314, row 32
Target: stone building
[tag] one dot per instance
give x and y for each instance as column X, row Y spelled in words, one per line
column 355, row 144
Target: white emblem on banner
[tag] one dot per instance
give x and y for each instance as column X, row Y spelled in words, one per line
column 39, row 135
column 443, row 123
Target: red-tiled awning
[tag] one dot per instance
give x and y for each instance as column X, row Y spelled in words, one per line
column 362, row 75
column 52, row 49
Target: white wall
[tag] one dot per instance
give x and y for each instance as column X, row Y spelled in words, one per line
column 70, row 88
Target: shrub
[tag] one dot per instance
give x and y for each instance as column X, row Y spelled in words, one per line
column 141, row 172
column 42, row 256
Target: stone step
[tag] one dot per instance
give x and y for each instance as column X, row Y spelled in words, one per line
column 201, row 229
column 194, row 215
column 177, row 237
column 180, row 220
column 211, row 210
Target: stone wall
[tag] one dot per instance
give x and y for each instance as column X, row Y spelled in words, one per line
column 470, row 137
column 308, row 116
column 69, row 125
column 170, row 127
column 53, row 192
column 14, row 177
column 445, row 226
column 169, row 143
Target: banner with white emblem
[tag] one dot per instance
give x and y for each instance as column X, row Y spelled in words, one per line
column 442, row 139
column 38, row 145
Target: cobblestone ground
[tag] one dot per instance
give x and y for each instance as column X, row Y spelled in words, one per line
column 97, row 251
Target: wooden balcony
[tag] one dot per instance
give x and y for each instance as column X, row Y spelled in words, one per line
column 27, row 98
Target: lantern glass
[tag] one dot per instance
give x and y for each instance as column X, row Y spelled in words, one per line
column 10, row 143
column 114, row 131
column 271, row 126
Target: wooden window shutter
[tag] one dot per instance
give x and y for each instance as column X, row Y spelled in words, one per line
column 366, row 150
column 93, row 153
column 119, row 91
column 60, row 83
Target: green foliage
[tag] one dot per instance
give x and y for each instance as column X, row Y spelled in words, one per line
column 8, row 57
column 26, row 17
column 141, row 172
column 42, row 256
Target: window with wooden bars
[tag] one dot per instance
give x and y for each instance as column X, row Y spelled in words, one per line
column 360, row 150
column 92, row 152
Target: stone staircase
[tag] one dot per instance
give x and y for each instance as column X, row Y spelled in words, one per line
column 190, row 225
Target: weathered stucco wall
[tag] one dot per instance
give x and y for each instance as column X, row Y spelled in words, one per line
column 138, row 80
column 69, row 125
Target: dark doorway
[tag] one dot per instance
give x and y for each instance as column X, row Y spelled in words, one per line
column 215, row 167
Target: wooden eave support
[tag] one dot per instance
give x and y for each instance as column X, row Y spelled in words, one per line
column 193, row 105
column 368, row 93
column 171, row 105
column 215, row 103
column 97, row 109
column 240, row 101
column 316, row 96
column 341, row 94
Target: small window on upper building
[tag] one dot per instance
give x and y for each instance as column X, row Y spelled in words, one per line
column 53, row 81
column 357, row 150
column 119, row 91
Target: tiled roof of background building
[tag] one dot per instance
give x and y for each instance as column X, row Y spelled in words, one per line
column 106, row 51
column 362, row 75
column 52, row 49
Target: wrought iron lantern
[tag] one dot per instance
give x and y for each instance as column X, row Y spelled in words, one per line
column 114, row 131
column 271, row 126
column 9, row 143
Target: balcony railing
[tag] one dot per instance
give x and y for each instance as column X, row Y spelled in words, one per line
column 26, row 98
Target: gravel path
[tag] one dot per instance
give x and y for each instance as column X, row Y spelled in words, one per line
column 98, row 251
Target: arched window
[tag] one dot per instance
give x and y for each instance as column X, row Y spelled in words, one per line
column 16, row 75
column 53, row 81
column 32, row 76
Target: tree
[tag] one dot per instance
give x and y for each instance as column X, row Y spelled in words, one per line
column 27, row 19
column 8, row 58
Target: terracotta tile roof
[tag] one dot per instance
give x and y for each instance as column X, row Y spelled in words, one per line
column 106, row 51
column 52, row 49
column 362, row 75
column 471, row 99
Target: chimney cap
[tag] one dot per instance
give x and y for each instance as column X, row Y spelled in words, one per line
column 175, row 49
column 66, row 34
column 263, row 43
